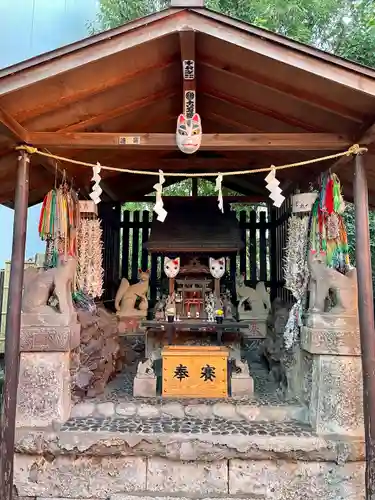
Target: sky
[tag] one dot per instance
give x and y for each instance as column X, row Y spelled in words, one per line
column 29, row 28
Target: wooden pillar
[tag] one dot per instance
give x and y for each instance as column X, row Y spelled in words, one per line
column 366, row 318
column 12, row 332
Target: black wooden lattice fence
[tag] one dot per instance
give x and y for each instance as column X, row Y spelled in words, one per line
column 124, row 234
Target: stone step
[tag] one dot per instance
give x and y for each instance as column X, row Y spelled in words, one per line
column 186, row 425
column 250, row 411
column 146, row 496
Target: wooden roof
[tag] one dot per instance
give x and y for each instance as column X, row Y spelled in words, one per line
column 195, row 225
column 129, row 81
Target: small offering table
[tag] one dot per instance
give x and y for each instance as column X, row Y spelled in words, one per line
column 193, row 325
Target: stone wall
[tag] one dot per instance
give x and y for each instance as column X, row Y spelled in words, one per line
column 118, row 478
column 111, row 466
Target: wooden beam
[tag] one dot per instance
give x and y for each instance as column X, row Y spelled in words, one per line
column 224, row 142
column 187, row 49
column 227, row 199
column 11, row 128
column 364, row 139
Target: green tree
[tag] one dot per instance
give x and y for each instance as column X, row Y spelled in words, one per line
column 343, row 27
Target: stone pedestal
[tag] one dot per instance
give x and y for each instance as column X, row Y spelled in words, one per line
column 145, row 387
column 241, row 386
column 130, row 326
column 334, row 373
column 256, row 328
column 46, row 342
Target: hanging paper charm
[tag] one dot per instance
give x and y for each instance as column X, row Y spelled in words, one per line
column 274, row 188
column 159, row 205
column 96, row 189
column 188, row 68
column 189, row 133
column 218, row 187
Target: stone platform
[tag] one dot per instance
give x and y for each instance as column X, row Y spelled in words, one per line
column 101, row 459
column 263, row 405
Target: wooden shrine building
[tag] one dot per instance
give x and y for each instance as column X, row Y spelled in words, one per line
column 114, row 98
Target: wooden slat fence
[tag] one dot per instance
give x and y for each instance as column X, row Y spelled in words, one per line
column 263, row 231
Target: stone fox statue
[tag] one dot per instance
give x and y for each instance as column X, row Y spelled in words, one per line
column 127, row 296
column 259, row 298
column 324, row 279
column 40, row 284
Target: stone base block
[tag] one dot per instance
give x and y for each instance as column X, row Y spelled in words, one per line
column 44, row 389
column 144, row 387
column 243, row 386
column 47, row 317
column 50, row 338
column 336, row 401
column 78, row 477
column 257, row 328
column 131, row 478
column 338, row 341
column 333, row 320
column 130, row 326
column 281, row 480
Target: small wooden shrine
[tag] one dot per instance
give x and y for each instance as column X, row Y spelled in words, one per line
column 187, row 91
column 195, row 241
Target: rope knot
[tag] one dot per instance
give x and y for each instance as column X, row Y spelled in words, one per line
column 356, row 150
column 29, row 149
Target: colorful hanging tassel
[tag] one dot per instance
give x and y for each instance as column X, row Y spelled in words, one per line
column 328, row 233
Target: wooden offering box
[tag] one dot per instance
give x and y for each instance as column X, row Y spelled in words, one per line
column 195, row 371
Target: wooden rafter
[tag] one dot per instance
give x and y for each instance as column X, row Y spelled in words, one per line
column 263, row 110
column 108, row 45
column 285, row 51
column 11, row 128
column 229, row 142
column 121, row 110
column 284, row 89
column 98, row 88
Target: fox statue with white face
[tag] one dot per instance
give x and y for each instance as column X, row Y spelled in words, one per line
column 171, row 267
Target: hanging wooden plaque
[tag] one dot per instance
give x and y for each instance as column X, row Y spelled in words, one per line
column 190, row 103
column 195, row 371
column 88, row 207
column 188, row 68
column 303, row 202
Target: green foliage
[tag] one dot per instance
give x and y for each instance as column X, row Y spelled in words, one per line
column 344, row 27
column 112, row 13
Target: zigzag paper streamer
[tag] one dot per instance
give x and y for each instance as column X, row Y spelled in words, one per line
column 218, row 187
column 274, row 188
column 96, row 189
column 159, row 205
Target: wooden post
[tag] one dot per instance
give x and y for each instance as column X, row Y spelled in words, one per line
column 12, row 332
column 366, row 318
